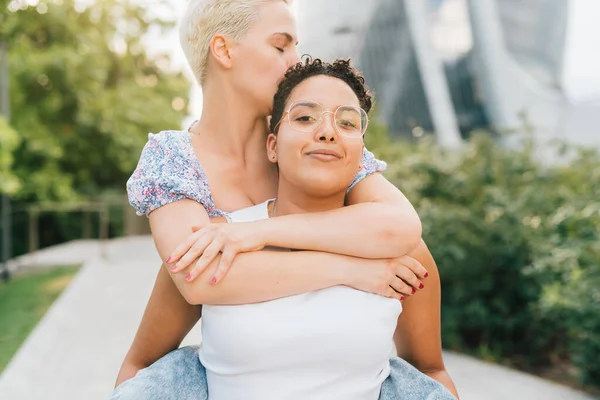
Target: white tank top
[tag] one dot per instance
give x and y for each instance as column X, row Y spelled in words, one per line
column 329, row 344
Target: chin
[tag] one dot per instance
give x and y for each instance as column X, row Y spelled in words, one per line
column 323, row 185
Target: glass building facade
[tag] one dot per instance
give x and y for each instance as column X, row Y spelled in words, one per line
column 500, row 59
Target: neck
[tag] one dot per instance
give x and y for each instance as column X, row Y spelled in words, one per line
column 229, row 125
column 293, row 200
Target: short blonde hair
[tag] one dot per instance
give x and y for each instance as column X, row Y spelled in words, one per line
column 205, row 18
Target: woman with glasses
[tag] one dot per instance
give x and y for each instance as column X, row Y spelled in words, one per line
column 333, row 343
column 363, row 246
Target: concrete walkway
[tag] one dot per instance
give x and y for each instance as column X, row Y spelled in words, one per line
column 76, row 350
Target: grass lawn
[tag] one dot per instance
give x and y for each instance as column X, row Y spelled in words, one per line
column 23, row 302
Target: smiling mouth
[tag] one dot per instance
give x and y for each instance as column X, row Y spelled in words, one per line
column 324, row 155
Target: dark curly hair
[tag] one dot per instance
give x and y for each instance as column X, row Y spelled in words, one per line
column 340, row 69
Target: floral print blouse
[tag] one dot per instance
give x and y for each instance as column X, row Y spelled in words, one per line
column 168, row 170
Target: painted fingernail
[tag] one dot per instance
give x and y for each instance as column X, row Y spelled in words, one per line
column 414, row 291
column 213, row 280
column 174, row 268
column 426, row 274
column 401, row 298
column 188, row 277
column 168, row 260
column 421, row 286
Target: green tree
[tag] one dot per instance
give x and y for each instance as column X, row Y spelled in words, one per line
column 9, row 141
column 84, row 93
column 517, row 242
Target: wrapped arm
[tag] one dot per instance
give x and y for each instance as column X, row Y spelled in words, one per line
column 379, row 222
column 418, row 336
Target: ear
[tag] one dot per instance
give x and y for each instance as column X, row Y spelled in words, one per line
column 272, row 147
column 220, row 48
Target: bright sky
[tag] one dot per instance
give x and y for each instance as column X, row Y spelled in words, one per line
column 581, row 75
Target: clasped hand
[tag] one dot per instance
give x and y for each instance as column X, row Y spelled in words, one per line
column 393, row 278
column 205, row 244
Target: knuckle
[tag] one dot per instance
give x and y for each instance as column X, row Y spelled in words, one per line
column 403, row 289
column 408, row 276
column 383, row 289
column 416, row 267
column 414, row 281
column 224, row 265
column 399, row 284
column 200, row 263
column 228, row 238
column 390, row 276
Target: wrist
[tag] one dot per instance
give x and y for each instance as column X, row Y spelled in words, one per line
column 345, row 270
column 264, row 232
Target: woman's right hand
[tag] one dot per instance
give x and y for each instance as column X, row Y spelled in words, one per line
column 393, row 278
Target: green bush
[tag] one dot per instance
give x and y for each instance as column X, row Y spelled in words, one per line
column 517, row 243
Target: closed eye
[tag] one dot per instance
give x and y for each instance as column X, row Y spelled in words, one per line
column 280, row 49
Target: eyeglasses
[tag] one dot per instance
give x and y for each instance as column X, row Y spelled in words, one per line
column 307, row 116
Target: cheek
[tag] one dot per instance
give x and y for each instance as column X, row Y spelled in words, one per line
column 289, row 151
column 273, row 66
column 266, row 73
column 354, row 153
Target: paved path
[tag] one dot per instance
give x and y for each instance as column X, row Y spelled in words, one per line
column 75, row 351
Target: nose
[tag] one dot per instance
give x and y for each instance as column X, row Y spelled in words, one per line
column 294, row 59
column 326, row 131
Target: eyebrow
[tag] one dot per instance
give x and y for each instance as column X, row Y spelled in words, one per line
column 288, row 37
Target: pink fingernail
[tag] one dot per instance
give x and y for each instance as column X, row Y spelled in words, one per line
column 188, row 277
column 213, row 281
column 168, row 260
column 173, row 268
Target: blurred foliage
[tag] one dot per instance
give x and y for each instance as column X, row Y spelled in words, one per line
column 9, row 141
column 517, row 243
column 84, row 95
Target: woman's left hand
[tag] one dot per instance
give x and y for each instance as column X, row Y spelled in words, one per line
column 205, row 244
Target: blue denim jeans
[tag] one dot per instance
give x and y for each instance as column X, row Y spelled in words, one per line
column 180, row 376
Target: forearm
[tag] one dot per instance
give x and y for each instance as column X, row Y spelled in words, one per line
column 366, row 230
column 418, row 332
column 266, row 275
column 443, row 377
column 167, row 319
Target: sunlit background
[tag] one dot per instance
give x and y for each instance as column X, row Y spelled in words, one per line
column 487, row 112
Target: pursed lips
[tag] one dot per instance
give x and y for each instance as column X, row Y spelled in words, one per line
column 324, row 154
